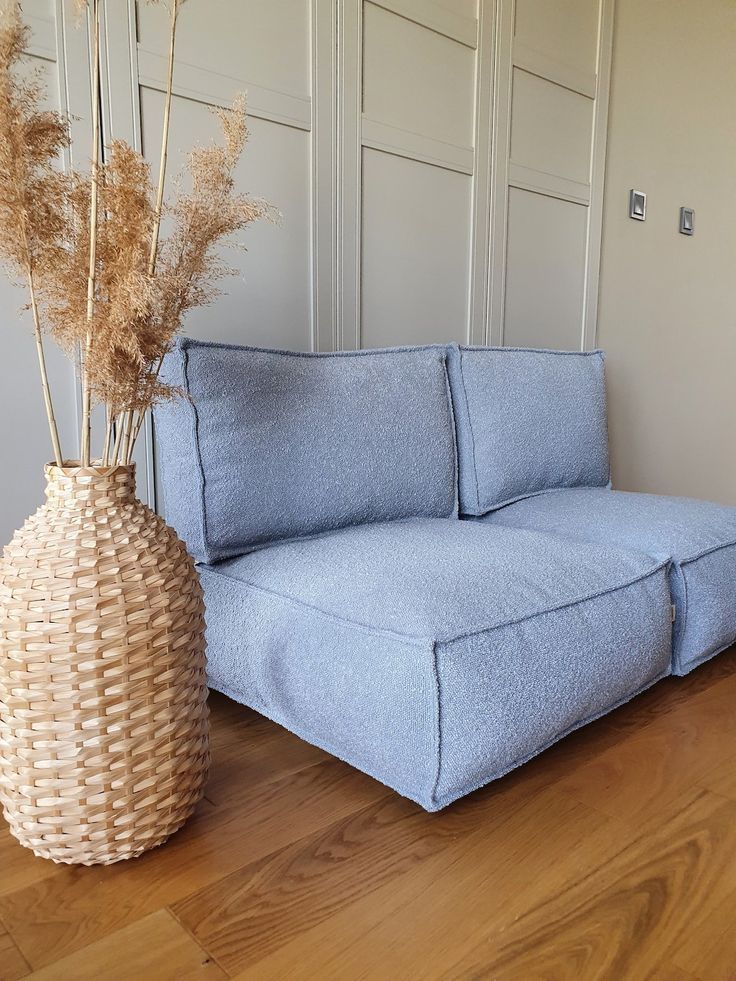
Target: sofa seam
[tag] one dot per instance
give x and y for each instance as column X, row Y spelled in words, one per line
column 417, row 640
column 302, row 732
column 448, row 799
column 454, row 439
column 706, row 552
column 562, row 606
column 536, row 493
column 709, row 655
column 409, row 640
column 187, row 342
column 198, row 455
column 597, row 352
column 461, row 375
column 438, row 724
column 682, row 625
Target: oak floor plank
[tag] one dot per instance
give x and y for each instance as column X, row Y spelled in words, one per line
column 616, row 843
column 260, row 753
column 80, row 905
column 631, row 913
column 721, row 778
column 669, row 693
column 249, row 914
column 655, row 763
column 155, row 948
column 19, row 867
column 13, row 964
column 421, row 916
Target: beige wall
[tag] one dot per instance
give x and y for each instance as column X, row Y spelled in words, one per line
column 667, row 314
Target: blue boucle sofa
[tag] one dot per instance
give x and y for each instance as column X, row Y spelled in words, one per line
column 414, row 559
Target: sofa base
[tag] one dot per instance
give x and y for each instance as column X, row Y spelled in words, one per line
column 439, row 804
column 437, row 655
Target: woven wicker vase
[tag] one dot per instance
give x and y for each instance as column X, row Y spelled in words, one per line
column 103, row 715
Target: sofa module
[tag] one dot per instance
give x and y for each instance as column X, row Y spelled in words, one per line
column 533, row 447
column 698, row 536
column 345, row 598
column 436, row 654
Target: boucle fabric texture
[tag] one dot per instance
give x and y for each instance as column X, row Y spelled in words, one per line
column 699, row 537
column 273, row 445
column 436, row 654
column 527, row 421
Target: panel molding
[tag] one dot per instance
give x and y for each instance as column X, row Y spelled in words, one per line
column 480, row 229
column 500, row 150
column 43, row 43
column 508, row 173
column 324, row 174
column 537, row 63
column 597, row 175
column 349, row 172
column 552, row 185
column 437, row 18
column 215, row 89
column 415, row 146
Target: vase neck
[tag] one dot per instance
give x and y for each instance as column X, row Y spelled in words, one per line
column 85, row 487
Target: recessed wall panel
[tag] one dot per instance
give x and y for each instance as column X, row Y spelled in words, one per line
column 415, row 78
column 264, row 42
column 545, row 271
column 565, row 31
column 415, row 235
column 268, row 302
column 25, row 443
column 551, row 127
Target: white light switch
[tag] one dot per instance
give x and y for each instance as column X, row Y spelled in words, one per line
column 687, row 221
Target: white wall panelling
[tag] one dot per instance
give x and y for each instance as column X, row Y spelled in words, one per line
column 417, row 130
column 58, row 51
column 547, row 218
column 438, row 164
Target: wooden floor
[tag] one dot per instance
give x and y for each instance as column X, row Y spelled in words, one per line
column 613, row 855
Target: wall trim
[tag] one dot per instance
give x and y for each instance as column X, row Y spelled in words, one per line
column 213, row 88
column 415, row 146
column 551, row 185
column 537, row 63
column 500, row 150
column 434, row 16
column 480, row 242
column 324, row 174
column 349, row 171
column 597, row 176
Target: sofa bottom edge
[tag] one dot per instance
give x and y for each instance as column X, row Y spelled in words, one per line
column 324, row 744
column 444, row 800
column 430, row 803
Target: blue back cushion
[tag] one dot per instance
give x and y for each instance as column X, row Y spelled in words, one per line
column 271, row 445
column 527, row 421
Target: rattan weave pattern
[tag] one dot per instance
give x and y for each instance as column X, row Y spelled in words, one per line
column 104, row 747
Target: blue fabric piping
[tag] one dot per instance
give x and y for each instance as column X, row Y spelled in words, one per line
column 420, row 639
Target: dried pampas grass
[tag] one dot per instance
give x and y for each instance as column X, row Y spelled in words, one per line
column 89, row 244
column 32, row 190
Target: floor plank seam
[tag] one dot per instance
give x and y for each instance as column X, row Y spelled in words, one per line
column 208, row 955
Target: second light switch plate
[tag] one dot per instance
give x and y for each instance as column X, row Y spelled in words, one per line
column 637, row 205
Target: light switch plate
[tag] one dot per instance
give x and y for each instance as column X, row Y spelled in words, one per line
column 687, row 221
column 637, row 205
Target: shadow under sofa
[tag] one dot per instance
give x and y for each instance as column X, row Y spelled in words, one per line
column 413, row 558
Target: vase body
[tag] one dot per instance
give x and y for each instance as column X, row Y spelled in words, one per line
column 104, row 746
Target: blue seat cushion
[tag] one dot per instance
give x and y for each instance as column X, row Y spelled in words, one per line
column 698, row 536
column 436, row 654
column 268, row 445
column 527, row 420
